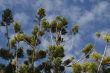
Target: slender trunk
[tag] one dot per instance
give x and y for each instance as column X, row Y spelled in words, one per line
column 39, row 20
column 56, row 37
column 104, row 54
column 84, row 56
column 8, row 44
column 33, row 57
column 51, row 36
column 72, row 40
column 60, row 35
column 84, row 59
column 7, row 36
column 16, row 58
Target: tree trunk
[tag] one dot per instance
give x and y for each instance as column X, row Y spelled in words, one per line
column 104, row 54
column 16, row 58
column 7, row 36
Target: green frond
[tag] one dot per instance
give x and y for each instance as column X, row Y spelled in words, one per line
column 57, row 61
column 12, row 42
column 106, row 60
column 98, row 34
column 87, row 48
column 56, row 51
column 35, row 30
column 76, row 68
column 106, row 38
column 95, row 56
column 41, row 54
column 89, row 67
column 19, row 36
column 5, row 54
column 23, row 68
column 75, row 28
column 45, row 24
column 7, row 17
column 16, row 27
column 41, row 12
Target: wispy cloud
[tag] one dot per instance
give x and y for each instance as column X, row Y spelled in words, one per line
column 76, row 11
column 97, row 12
column 22, row 18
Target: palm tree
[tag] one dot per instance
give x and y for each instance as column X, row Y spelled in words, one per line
column 7, row 19
column 107, row 40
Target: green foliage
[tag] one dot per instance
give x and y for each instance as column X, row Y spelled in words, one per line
column 75, row 28
column 89, row 67
column 41, row 33
column 106, row 38
column 95, row 56
column 54, row 55
column 56, row 51
column 87, row 48
column 98, row 34
column 38, row 54
column 76, row 68
column 5, row 54
column 58, row 24
column 29, row 52
column 46, row 66
column 57, row 62
column 45, row 24
column 23, row 68
column 33, row 41
column 16, row 27
column 16, row 38
column 19, row 37
column 106, row 60
column 36, row 32
column 20, row 52
column 57, row 65
column 41, row 54
column 7, row 17
column 41, row 13
column 12, row 42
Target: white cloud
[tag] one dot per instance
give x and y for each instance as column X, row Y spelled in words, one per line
column 69, row 46
column 21, row 18
column 12, row 3
column 82, row 1
column 76, row 39
column 2, row 6
column 96, row 13
column 108, row 51
column 45, row 43
column 102, row 32
column 59, row 7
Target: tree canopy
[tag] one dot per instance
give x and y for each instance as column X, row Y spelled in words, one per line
column 52, row 57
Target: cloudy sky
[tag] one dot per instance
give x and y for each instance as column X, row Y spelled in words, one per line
column 91, row 15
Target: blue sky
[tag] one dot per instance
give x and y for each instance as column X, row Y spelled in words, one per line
column 91, row 15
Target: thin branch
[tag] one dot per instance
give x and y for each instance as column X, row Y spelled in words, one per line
column 86, row 54
column 83, row 56
column 51, row 36
column 17, row 58
column 7, row 36
column 102, row 57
